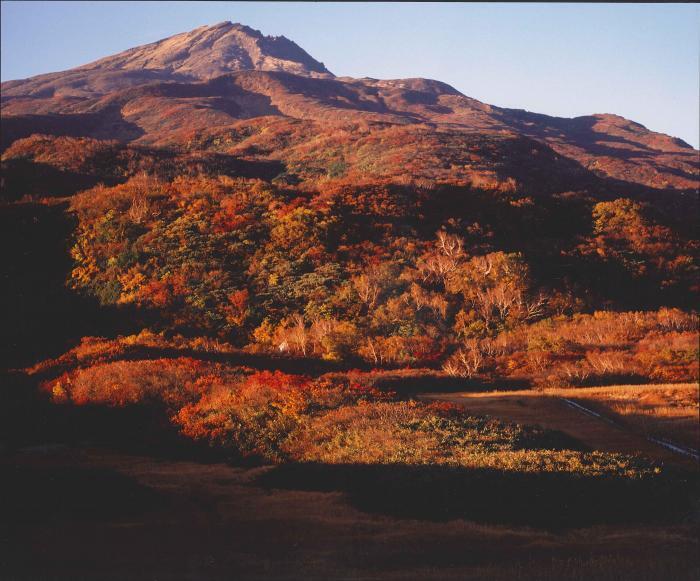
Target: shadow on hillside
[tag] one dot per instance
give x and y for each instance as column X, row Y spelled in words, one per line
column 408, row 384
column 295, row 365
column 108, row 123
column 41, row 316
column 22, row 177
column 440, row 493
column 29, row 418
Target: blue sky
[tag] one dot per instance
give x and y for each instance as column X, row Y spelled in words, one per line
column 637, row 60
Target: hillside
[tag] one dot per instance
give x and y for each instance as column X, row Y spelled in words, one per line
column 177, row 91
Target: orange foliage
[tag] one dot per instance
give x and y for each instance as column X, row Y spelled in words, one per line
column 119, row 383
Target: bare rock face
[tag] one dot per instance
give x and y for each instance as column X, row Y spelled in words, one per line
column 198, row 55
column 211, row 51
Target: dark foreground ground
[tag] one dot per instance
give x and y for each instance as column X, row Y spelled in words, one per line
column 74, row 513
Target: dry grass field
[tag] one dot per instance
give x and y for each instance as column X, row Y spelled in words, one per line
column 668, row 411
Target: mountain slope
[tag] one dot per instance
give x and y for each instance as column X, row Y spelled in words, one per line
column 189, row 87
column 200, row 54
column 210, row 51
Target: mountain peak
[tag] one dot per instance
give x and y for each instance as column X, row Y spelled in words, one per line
column 210, row 51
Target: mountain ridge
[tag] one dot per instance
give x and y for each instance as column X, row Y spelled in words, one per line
column 216, row 76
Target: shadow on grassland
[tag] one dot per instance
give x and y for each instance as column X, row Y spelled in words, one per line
column 544, row 500
column 35, row 494
column 410, row 384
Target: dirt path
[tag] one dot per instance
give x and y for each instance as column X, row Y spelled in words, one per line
column 553, row 412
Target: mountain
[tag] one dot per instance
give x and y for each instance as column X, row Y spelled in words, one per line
column 197, row 88
column 203, row 53
column 210, row 51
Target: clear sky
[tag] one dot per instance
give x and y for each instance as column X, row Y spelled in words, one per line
column 640, row 61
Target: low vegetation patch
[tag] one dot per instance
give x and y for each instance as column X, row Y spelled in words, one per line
column 334, row 419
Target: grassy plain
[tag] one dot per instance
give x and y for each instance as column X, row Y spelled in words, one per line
column 668, row 411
